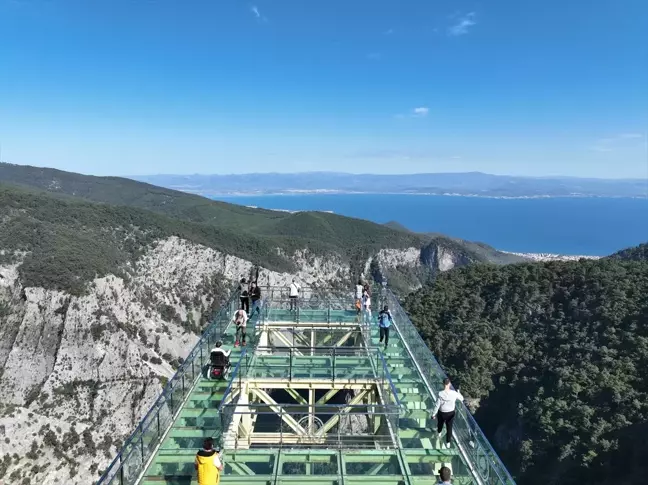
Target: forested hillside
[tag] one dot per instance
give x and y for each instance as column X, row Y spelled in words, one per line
column 74, row 227
column 555, row 355
column 638, row 253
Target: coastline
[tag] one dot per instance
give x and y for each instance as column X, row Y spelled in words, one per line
column 212, row 195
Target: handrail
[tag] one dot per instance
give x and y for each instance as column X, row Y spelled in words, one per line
column 496, row 464
column 389, row 379
column 228, row 389
column 167, row 393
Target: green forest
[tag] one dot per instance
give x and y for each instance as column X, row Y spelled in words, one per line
column 75, row 227
column 555, row 356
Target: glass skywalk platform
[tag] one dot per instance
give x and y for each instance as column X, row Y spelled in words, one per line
column 313, row 399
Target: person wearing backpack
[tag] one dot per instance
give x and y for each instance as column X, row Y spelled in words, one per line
column 244, row 296
column 385, row 320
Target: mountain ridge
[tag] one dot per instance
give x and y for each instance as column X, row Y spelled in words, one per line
column 476, row 184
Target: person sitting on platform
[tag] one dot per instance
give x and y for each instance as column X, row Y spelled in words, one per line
column 208, row 464
column 218, row 349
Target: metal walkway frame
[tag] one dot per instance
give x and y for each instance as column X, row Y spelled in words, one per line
column 311, row 355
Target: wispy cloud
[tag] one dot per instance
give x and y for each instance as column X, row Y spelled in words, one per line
column 257, row 14
column 388, row 32
column 463, row 23
column 420, row 112
column 374, row 56
column 610, row 144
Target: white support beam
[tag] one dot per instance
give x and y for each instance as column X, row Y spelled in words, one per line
column 286, row 342
column 333, row 421
column 306, row 383
column 287, row 418
column 346, row 337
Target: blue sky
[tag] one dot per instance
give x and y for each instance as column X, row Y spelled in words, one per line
column 203, row 86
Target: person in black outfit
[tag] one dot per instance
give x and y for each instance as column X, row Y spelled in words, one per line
column 245, row 300
column 255, row 297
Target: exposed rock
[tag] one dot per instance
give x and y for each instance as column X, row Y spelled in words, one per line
column 78, row 372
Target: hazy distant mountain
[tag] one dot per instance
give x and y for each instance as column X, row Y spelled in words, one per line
column 470, row 183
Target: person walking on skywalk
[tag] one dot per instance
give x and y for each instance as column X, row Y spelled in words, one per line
column 244, row 295
column 208, row 464
column 445, row 407
column 384, row 322
column 255, row 298
column 294, row 295
column 240, row 319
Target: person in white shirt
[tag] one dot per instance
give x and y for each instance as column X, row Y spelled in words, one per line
column 445, row 407
column 240, row 319
column 220, row 350
column 358, row 297
column 366, row 306
column 358, row 290
column 294, row 295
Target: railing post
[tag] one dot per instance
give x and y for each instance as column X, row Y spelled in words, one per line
column 142, row 441
column 121, row 469
column 290, row 359
column 157, row 415
column 333, row 353
column 183, row 386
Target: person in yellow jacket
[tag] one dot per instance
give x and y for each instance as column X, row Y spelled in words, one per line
column 208, row 464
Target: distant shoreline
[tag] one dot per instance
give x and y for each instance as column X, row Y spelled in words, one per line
column 433, row 194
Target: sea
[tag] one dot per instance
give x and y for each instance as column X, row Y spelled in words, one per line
column 567, row 226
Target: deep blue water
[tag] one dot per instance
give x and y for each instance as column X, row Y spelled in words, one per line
column 583, row 226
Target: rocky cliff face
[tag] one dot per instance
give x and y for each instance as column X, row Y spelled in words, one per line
column 77, row 373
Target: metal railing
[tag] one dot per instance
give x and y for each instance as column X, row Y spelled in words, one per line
column 482, row 457
column 140, row 446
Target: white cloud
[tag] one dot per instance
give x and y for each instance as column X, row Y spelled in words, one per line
column 422, row 111
column 257, row 14
column 630, row 136
column 462, row 25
